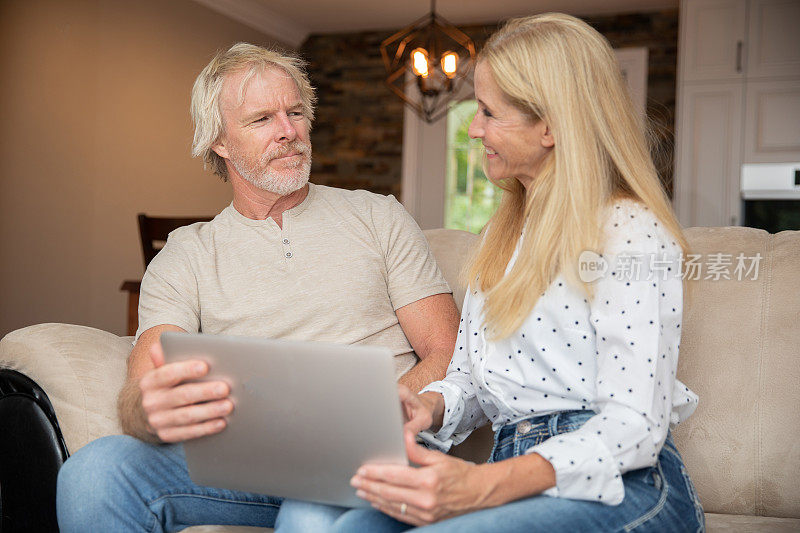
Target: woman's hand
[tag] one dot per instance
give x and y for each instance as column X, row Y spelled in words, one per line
column 442, row 486
column 417, row 410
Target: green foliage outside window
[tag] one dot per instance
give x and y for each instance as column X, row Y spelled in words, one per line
column 470, row 198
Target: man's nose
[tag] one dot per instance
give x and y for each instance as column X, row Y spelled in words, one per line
column 286, row 130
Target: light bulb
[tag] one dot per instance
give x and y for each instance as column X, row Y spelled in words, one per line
column 419, row 62
column 449, row 64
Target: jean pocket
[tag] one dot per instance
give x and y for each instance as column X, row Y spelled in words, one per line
column 651, row 496
column 692, row 492
column 649, row 476
column 503, row 449
column 573, row 420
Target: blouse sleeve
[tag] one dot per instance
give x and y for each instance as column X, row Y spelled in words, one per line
column 462, row 410
column 636, row 313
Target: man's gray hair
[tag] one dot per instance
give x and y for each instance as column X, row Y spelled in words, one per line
column 206, row 110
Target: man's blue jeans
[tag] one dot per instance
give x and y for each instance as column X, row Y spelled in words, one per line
column 657, row 499
column 120, row 483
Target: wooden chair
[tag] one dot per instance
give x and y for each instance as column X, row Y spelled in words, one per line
column 154, row 231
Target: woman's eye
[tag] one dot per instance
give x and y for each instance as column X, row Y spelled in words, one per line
column 486, row 113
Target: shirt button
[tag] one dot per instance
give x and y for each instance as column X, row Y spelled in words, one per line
column 288, row 254
column 523, row 427
column 285, row 241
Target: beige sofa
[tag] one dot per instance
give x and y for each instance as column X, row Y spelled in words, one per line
column 740, row 352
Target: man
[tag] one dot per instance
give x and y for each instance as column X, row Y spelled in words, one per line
column 287, row 259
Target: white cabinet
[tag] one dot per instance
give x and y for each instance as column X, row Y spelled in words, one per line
column 772, row 121
column 710, row 133
column 738, row 101
column 774, row 39
column 719, row 27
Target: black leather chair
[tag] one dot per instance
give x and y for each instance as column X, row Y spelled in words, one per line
column 32, row 451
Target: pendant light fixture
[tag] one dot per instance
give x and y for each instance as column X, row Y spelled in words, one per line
column 439, row 55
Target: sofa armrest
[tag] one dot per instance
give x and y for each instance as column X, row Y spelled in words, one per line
column 81, row 369
column 33, row 451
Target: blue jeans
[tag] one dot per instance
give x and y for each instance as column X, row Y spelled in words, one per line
column 658, row 499
column 120, row 483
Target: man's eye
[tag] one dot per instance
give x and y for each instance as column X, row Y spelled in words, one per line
column 262, row 119
column 296, row 114
column 486, row 112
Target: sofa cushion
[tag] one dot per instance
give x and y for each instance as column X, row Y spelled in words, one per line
column 452, row 248
column 739, row 352
column 778, row 458
column 721, row 523
column 81, row 369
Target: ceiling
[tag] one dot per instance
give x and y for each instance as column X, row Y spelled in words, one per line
column 291, row 21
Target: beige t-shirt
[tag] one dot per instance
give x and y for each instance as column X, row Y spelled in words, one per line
column 343, row 262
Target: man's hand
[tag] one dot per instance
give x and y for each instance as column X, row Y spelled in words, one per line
column 175, row 410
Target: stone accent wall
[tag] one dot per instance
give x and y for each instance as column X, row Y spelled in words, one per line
column 358, row 132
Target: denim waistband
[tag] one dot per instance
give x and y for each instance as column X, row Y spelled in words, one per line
column 513, row 439
column 554, row 423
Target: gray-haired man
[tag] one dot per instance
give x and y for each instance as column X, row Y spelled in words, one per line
column 287, row 259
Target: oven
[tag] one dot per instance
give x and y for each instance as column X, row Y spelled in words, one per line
column 771, row 196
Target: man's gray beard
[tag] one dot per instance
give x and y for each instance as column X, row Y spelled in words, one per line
column 281, row 182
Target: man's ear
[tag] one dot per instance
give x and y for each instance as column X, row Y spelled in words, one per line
column 547, row 138
column 220, row 149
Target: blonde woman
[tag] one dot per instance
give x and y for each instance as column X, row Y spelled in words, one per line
column 576, row 374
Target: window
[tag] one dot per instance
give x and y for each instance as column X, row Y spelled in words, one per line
column 470, row 198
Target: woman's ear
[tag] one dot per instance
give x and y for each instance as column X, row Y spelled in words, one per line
column 547, row 137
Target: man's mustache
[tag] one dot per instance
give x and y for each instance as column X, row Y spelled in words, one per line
column 294, row 147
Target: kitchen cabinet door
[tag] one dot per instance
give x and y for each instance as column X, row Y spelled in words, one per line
column 772, row 121
column 712, row 39
column 708, row 157
column 773, row 47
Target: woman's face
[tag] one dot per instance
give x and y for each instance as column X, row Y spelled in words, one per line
column 515, row 145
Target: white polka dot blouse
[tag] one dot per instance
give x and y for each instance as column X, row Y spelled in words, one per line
column 615, row 354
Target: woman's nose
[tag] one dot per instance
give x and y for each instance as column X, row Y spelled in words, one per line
column 475, row 131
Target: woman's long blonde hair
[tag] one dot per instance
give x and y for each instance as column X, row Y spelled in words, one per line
column 556, row 68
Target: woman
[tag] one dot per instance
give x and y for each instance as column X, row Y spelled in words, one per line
column 575, row 369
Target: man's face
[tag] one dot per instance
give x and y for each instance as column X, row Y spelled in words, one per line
column 266, row 136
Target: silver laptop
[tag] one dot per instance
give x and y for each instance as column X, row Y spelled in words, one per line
column 306, row 415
